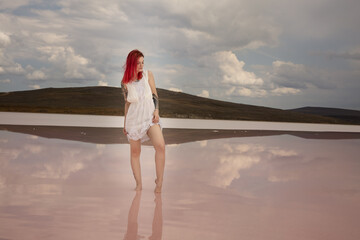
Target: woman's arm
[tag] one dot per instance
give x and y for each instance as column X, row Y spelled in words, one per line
column 127, row 104
column 155, row 97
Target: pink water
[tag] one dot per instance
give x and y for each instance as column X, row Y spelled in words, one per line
column 273, row 187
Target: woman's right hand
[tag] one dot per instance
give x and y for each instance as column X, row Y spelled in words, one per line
column 124, row 131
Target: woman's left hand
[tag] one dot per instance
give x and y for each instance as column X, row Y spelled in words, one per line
column 156, row 116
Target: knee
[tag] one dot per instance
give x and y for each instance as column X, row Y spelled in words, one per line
column 135, row 152
column 160, row 147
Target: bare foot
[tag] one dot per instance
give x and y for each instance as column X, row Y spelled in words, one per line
column 158, row 186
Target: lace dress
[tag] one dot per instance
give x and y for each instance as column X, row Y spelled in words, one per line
column 140, row 113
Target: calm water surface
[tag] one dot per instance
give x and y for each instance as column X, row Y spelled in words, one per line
column 269, row 187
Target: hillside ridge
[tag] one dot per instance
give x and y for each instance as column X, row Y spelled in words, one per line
column 104, row 100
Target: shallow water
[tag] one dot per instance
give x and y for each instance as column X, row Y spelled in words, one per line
column 259, row 187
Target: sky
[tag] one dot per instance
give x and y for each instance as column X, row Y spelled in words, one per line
column 278, row 53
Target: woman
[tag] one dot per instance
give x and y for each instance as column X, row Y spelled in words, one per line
column 141, row 113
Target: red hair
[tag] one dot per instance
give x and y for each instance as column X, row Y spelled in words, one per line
column 131, row 65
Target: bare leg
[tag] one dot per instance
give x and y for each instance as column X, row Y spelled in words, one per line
column 135, row 148
column 157, row 140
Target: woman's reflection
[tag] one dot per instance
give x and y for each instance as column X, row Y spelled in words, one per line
column 158, row 220
column 132, row 227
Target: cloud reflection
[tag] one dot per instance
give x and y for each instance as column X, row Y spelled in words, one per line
column 233, row 160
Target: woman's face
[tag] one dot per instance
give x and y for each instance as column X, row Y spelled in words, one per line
column 140, row 64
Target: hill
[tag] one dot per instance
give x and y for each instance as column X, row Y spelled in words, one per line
column 109, row 101
column 349, row 116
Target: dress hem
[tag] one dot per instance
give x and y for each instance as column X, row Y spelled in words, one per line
column 145, row 137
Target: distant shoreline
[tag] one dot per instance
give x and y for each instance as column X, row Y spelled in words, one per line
column 101, row 121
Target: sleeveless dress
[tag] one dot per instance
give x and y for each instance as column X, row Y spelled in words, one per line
column 140, row 113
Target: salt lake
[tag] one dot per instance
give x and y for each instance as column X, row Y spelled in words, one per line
column 75, row 182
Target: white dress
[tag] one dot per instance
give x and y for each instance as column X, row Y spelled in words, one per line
column 140, row 113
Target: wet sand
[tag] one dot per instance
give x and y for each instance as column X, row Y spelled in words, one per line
column 76, row 183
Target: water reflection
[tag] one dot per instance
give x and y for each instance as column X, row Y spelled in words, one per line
column 214, row 189
column 172, row 136
column 132, row 225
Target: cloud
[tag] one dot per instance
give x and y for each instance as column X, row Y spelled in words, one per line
column 35, row 86
column 4, row 40
column 285, row 91
column 353, row 54
column 202, row 25
column 75, row 65
column 204, row 93
column 108, row 11
column 5, row 80
column 51, row 38
column 299, row 76
column 13, row 4
column 246, row 92
column 84, row 42
column 7, row 65
column 36, row 75
column 233, row 70
column 175, row 89
column 233, row 76
column 102, row 83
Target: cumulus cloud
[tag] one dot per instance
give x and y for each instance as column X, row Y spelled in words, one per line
column 175, row 89
column 102, row 83
column 36, row 75
column 76, row 66
column 7, row 65
column 239, row 82
column 233, row 70
column 4, row 39
column 204, row 93
column 246, row 92
column 234, row 77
